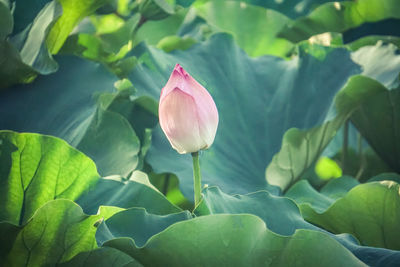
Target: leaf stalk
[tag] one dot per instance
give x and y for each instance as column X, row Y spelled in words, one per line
column 196, row 178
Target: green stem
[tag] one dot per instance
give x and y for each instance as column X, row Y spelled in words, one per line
column 196, row 178
column 140, row 23
column 361, row 157
column 345, row 146
column 166, row 183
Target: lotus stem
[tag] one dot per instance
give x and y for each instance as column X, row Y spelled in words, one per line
column 196, row 178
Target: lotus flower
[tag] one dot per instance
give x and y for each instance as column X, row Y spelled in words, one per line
column 188, row 115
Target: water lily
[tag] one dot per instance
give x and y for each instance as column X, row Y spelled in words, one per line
column 189, row 118
column 187, row 112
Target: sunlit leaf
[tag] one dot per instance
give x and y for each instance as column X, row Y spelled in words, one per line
column 339, row 17
column 35, row 169
column 56, row 233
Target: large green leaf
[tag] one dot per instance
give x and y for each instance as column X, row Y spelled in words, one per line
column 382, row 63
column 126, row 194
column 26, row 55
column 303, row 193
column 254, row 28
column 292, row 8
column 378, row 120
column 119, row 156
column 63, row 104
column 257, row 99
column 36, row 169
column 137, row 224
column 371, row 212
column 234, row 240
column 73, row 12
column 140, row 112
column 28, row 51
column 300, row 148
column 102, row 257
column 337, row 188
column 339, row 17
column 58, row 231
column 281, row 215
column 103, row 38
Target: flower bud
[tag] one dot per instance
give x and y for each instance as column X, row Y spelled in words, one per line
column 188, row 115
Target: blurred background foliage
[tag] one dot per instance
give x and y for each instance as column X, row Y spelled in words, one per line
column 308, row 93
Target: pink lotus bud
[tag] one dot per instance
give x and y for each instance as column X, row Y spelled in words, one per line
column 188, row 115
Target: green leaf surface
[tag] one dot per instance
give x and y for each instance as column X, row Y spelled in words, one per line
column 174, row 42
column 281, row 215
column 102, row 257
column 26, row 55
column 370, row 212
column 257, row 36
column 104, row 38
column 234, row 240
column 378, row 120
column 114, row 41
column 168, row 184
column 138, row 224
column 140, row 112
column 300, row 148
column 339, row 17
column 155, row 9
column 73, row 12
column 255, row 106
column 57, row 232
column 126, row 194
column 36, row 169
column 303, row 193
column 64, row 105
column 338, row 188
column 153, row 31
column 292, row 8
column 287, row 166
column 34, row 51
column 95, row 142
